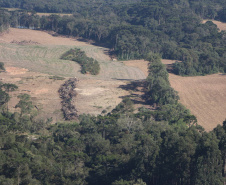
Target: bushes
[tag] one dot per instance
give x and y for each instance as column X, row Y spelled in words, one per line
column 89, row 65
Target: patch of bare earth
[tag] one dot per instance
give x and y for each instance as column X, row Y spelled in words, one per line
column 39, row 52
column 204, row 96
column 220, row 25
column 94, row 96
column 18, row 35
column 43, row 91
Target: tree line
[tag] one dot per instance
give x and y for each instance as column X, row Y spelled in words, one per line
column 165, row 146
column 132, row 29
column 117, row 148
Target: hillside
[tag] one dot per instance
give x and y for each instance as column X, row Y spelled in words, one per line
column 31, row 57
column 204, row 96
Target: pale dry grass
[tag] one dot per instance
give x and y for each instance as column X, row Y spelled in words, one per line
column 15, row 34
column 96, row 93
column 48, row 14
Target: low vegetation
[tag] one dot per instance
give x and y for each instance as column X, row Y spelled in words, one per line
column 88, row 65
column 67, row 94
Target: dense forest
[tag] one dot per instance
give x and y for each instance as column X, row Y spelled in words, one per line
column 165, row 146
column 131, row 29
column 161, row 147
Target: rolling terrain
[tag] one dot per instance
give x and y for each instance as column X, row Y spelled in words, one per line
column 31, row 57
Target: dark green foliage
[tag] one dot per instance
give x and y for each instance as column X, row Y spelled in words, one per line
column 2, row 68
column 4, row 21
column 118, row 148
column 131, row 28
column 56, row 77
column 88, row 64
column 158, row 86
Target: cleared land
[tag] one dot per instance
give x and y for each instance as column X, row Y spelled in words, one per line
column 33, row 56
column 204, row 96
column 220, row 25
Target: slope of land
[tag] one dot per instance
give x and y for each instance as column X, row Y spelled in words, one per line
column 220, row 25
column 205, row 96
column 36, row 55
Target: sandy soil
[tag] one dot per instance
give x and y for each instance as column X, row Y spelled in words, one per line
column 220, row 25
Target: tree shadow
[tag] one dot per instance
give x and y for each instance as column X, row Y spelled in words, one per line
column 137, row 92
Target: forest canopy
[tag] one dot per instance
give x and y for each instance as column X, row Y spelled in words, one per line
column 133, row 28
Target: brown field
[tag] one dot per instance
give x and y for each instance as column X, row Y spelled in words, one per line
column 30, row 64
column 204, row 96
column 32, row 56
column 220, row 25
column 48, row 14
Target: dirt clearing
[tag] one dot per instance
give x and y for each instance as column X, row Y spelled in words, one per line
column 42, row 89
column 32, row 56
column 220, row 25
column 204, row 96
column 30, row 65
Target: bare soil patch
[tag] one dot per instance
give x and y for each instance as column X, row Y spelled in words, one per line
column 204, row 96
column 94, row 96
column 18, row 35
column 43, row 91
column 220, row 25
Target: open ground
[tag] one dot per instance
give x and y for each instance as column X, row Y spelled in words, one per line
column 31, row 57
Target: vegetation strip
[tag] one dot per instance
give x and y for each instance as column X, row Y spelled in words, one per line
column 89, row 65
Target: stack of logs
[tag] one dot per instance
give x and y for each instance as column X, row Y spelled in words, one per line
column 67, row 94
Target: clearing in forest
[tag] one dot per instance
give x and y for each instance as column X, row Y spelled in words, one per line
column 220, row 25
column 31, row 57
column 204, row 96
